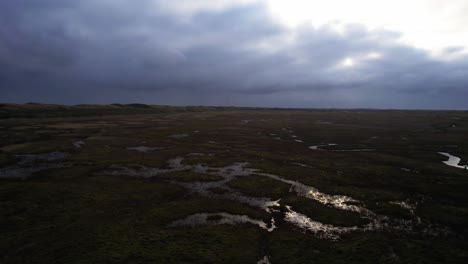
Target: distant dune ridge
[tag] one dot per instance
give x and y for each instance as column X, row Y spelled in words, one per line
column 40, row 110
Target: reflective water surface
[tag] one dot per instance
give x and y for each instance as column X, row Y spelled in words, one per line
column 264, row 260
column 300, row 221
column 78, row 144
column 222, row 219
column 453, row 161
column 144, row 149
column 321, row 147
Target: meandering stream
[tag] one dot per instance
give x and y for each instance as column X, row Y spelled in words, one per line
column 303, row 222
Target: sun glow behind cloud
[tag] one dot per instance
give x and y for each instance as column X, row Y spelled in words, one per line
column 433, row 25
column 348, row 62
column 235, row 52
column 430, row 24
column 373, row 55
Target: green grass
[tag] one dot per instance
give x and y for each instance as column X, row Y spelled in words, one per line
column 260, row 186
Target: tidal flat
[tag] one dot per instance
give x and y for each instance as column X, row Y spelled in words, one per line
column 126, row 184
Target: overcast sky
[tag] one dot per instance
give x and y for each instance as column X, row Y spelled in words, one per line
column 339, row 54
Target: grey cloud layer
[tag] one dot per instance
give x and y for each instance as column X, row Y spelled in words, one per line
column 138, row 51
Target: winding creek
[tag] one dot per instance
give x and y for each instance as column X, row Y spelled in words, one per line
column 300, row 221
column 28, row 164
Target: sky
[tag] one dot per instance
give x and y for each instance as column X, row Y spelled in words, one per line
column 266, row 53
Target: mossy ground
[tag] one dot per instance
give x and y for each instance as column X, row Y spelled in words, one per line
column 79, row 215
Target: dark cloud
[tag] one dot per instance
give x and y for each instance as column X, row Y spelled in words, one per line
column 137, row 51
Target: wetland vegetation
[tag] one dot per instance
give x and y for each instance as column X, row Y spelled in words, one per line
column 156, row 184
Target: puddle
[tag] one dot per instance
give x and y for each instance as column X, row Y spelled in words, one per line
column 78, row 144
column 52, row 156
column 178, row 136
column 411, row 207
column 353, row 150
column 141, row 171
column 144, row 149
column 409, row 170
column 299, row 141
column 200, row 154
column 453, row 161
column 320, row 230
column 29, row 164
column 301, row 165
column 264, row 260
column 320, row 147
column 222, row 219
